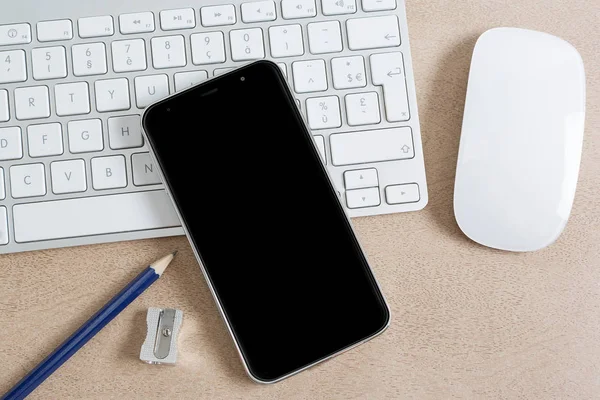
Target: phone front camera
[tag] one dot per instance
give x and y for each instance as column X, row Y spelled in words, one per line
column 243, row 78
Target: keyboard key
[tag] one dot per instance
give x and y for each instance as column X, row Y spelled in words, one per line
column 32, row 102
column 387, row 70
column 323, row 112
column 373, row 32
column 184, row 80
column 45, row 140
column 218, row 15
column 129, row 55
column 320, row 142
column 125, row 132
column 286, row 41
column 89, row 59
column 378, row 5
column 49, row 63
column 283, row 68
column 4, row 113
column 221, row 71
column 12, row 66
column 309, row 76
column 3, row 226
column 112, row 95
column 208, row 48
column 50, row 31
column 361, row 178
column 362, row 109
column 10, row 143
column 15, row 34
column 361, row 198
column 72, row 98
column 348, row 72
column 183, row 18
column 87, row 216
column 298, row 8
column 400, row 194
column 136, row 23
column 2, row 190
column 96, row 26
column 168, row 52
column 372, row 146
column 247, row 44
column 85, row 136
column 144, row 172
column 68, row 176
column 27, row 180
column 338, row 7
column 258, row 11
column 325, row 37
column 108, row 172
column 149, row 89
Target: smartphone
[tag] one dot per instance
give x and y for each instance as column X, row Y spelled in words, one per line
column 265, row 221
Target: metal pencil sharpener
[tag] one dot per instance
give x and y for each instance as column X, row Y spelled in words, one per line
column 160, row 346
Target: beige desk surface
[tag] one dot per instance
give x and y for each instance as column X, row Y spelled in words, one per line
column 468, row 322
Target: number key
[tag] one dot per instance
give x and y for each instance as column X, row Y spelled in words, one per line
column 129, row 55
column 208, row 48
column 89, row 59
column 168, row 52
column 247, row 44
column 12, row 66
column 49, row 63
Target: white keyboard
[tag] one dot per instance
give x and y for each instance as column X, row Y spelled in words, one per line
column 75, row 76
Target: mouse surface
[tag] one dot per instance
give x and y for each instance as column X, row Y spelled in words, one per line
column 521, row 140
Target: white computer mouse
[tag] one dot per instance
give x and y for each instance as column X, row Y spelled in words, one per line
column 521, row 140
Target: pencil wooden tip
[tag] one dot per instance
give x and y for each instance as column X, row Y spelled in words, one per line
column 162, row 264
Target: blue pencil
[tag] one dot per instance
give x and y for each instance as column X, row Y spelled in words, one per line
column 106, row 314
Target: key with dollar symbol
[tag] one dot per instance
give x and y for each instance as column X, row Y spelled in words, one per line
column 348, row 72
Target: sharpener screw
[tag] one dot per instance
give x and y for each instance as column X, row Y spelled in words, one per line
column 166, row 332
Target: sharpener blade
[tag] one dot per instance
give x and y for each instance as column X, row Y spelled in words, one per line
column 160, row 346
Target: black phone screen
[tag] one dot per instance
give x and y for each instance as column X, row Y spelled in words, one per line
column 265, row 221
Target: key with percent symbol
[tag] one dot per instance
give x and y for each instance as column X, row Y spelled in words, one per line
column 323, row 112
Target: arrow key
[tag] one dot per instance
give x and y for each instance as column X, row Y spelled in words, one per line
column 361, row 178
column 362, row 198
column 400, row 194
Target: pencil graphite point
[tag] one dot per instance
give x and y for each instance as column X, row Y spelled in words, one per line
column 162, row 264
